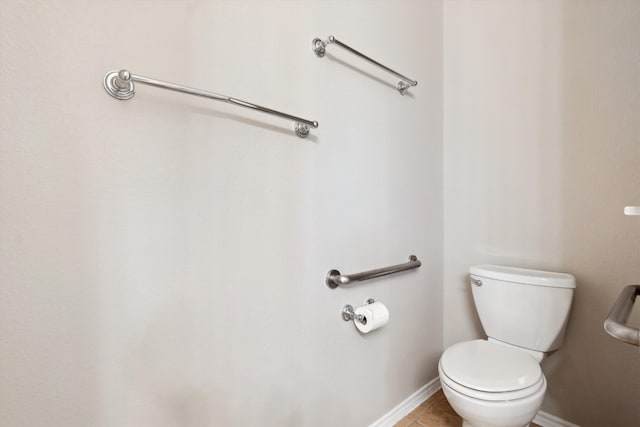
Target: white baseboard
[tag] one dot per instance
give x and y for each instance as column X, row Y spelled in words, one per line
column 547, row 420
column 408, row 405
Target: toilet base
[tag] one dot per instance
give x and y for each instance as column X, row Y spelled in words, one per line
column 468, row 424
column 481, row 413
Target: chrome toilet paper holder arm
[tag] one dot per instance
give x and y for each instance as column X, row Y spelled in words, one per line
column 348, row 312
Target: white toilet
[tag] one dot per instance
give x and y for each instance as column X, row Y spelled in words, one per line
column 498, row 382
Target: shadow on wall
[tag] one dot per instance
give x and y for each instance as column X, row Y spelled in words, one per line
column 469, row 305
column 214, row 110
column 366, row 74
column 160, row 371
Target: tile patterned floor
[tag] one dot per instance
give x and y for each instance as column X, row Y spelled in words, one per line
column 434, row 412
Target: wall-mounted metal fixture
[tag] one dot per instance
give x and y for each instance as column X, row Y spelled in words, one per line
column 119, row 84
column 616, row 322
column 632, row 210
column 348, row 312
column 335, row 279
column 319, row 47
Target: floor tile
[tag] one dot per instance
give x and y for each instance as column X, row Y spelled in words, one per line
column 420, row 409
column 406, row 422
column 440, row 414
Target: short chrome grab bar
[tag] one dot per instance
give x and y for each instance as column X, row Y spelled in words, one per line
column 616, row 322
column 335, row 279
column 119, row 84
column 319, row 47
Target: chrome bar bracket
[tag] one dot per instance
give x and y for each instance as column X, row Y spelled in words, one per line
column 301, row 129
column 616, row 322
column 334, row 279
column 348, row 312
column 403, row 87
column 319, row 47
column 120, row 85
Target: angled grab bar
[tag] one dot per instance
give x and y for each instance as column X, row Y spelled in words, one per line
column 616, row 322
column 335, row 279
column 319, row 47
column 119, row 84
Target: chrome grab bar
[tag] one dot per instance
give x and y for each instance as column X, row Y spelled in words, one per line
column 319, row 47
column 335, row 279
column 616, row 322
column 119, row 84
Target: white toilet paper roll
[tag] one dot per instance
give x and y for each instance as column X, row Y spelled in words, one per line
column 376, row 314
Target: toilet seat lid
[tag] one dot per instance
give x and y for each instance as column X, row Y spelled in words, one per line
column 490, row 367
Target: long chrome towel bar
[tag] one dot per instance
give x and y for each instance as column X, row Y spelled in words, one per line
column 119, row 84
column 335, row 279
column 616, row 322
column 319, row 47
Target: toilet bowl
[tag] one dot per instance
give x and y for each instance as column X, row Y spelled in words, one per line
column 498, row 382
column 490, row 385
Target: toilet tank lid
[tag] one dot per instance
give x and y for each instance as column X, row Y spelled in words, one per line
column 524, row 276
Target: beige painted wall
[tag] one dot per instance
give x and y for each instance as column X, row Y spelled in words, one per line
column 162, row 260
column 541, row 153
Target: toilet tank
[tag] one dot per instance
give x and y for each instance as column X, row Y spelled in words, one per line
column 526, row 308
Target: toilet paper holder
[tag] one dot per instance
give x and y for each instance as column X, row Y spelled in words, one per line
column 348, row 313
